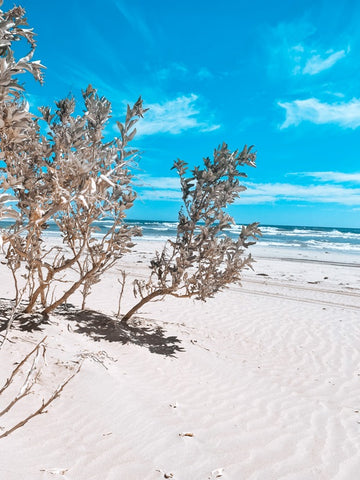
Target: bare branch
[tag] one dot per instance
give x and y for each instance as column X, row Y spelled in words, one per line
column 43, row 406
column 20, row 364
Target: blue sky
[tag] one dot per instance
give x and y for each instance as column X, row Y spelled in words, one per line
column 282, row 75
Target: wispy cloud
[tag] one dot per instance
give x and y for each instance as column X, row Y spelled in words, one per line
column 172, row 70
column 158, row 188
column 176, row 116
column 160, row 195
column 204, row 74
column 168, row 188
column 284, row 43
column 82, row 76
column 316, row 63
column 261, row 193
column 135, row 19
column 294, row 49
column 172, row 116
column 176, row 70
column 165, row 183
column 345, row 114
column 334, row 177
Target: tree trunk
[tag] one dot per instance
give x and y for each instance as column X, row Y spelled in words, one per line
column 71, row 290
column 143, row 301
column 34, row 297
column 39, row 291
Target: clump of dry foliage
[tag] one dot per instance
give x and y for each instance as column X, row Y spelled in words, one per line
column 202, row 260
column 73, row 176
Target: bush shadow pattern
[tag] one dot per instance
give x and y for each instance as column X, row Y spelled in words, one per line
column 25, row 322
column 97, row 326
column 102, row 327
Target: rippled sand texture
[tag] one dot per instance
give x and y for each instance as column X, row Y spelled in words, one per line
column 263, row 383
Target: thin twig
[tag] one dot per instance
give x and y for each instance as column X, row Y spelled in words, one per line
column 19, row 296
column 43, row 406
column 122, row 283
column 15, row 371
column 31, row 379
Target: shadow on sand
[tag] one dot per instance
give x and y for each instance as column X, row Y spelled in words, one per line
column 99, row 327
column 23, row 322
column 102, row 327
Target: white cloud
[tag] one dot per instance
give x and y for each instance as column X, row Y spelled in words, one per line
column 345, row 114
column 159, row 195
column 174, row 117
column 335, row 177
column 168, row 188
column 171, row 116
column 316, row 64
column 293, row 51
column 158, row 188
column 166, row 183
column 272, row 192
column 285, row 44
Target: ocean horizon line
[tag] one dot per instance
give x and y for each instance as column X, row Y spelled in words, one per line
column 173, row 221
column 282, row 225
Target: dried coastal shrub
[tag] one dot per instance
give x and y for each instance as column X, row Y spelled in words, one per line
column 202, row 260
column 85, row 180
column 71, row 176
column 59, row 167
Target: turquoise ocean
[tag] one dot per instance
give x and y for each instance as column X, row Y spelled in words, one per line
column 325, row 239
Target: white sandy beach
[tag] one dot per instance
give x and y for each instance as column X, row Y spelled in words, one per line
column 260, row 383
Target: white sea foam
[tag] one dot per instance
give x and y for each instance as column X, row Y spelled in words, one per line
column 304, row 238
column 279, row 244
column 152, row 238
column 345, row 246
